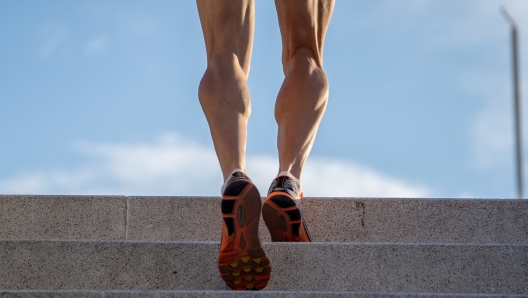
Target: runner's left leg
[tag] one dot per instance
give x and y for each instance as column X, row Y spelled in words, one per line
column 228, row 32
column 227, row 27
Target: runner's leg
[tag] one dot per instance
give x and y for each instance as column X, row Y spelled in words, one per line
column 299, row 108
column 304, row 93
column 228, row 33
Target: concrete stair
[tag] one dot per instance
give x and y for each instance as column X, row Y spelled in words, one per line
column 117, row 246
column 226, row 294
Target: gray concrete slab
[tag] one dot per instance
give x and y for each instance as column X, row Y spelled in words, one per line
column 62, row 217
column 285, row 294
column 360, row 267
column 346, row 220
column 418, row 220
column 178, row 218
column 236, row 294
column 442, row 268
column 329, row 219
column 50, row 294
column 99, row 265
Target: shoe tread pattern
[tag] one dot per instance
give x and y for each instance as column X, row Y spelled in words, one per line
column 242, row 262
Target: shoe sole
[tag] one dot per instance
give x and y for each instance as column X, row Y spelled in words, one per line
column 242, row 263
column 284, row 219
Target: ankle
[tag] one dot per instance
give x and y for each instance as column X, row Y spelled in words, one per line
column 295, row 179
column 227, row 179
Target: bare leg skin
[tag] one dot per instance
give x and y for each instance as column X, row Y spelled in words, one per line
column 303, row 96
column 299, row 108
column 228, row 33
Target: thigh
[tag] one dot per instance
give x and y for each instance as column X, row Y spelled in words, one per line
column 303, row 24
column 227, row 27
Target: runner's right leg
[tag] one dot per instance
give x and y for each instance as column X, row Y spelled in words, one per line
column 228, row 33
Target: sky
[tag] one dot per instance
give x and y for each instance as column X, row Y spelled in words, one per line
column 100, row 98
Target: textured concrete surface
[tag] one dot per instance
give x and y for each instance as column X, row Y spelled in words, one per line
column 62, row 217
column 98, row 265
column 178, row 218
column 346, row 220
column 329, row 219
column 227, row 294
column 50, row 294
column 174, row 218
column 285, row 294
column 238, row 294
column 447, row 268
column 360, row 267
column 418, row 220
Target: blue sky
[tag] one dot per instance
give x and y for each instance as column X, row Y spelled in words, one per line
column 100, row 97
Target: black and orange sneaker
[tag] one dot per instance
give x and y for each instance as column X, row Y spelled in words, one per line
column 282, row 211
column 242, row 262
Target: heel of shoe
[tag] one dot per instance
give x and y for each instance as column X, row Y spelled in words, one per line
column 242, row 262
column 284, row 219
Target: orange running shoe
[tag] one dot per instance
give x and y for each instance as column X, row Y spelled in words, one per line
column 242, row 262
column 282, row 211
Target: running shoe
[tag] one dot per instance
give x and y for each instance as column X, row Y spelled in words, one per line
column 282, row 211
column 242, row 262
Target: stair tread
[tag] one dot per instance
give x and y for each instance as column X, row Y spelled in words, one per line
column 329, row 219
column 227, row 293
column 191, row 265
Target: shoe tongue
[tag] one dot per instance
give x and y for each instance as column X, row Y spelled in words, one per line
column 285, row 184
column 239, row 175
column 234, row 176
column 293, row 178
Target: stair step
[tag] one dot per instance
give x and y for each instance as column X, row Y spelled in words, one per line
column 236, row 294
column 329, row 219
column 185, row 265
column 63, row 217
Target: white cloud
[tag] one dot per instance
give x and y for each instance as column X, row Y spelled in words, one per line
column 175, row 166
column 465, row 195
column 96, row 45
column 54, row 35
column 330, row 177
column 327, row 177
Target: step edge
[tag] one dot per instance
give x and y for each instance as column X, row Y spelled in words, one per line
column 263, row 292
column 308, row 198
column 191, row 242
